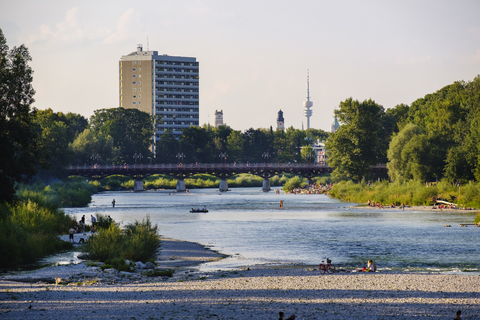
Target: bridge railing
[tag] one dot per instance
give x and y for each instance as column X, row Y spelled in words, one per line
column 201, row 166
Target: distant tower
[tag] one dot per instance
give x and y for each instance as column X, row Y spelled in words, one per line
column 335, row 125
column 218, row 118
column 308, row 104
column 280, row 121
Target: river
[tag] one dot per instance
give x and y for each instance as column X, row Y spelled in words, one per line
column 249, row 225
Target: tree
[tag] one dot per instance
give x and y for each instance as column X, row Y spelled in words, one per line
column 235, row 145
column 20, row 153
column 131, row 130
column 58, row 131
column 167, row 148
column 361, row 141
column 87, row 144
column 308, row 154
column 407, row 154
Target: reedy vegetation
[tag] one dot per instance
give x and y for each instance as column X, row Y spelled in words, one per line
column 409, row 192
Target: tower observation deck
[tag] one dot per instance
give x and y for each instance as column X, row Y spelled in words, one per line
column 308, row 104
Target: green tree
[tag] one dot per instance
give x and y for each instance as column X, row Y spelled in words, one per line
column 58, row 130
column 360, row 142
column 235, row 145
column 87, row 144
column 308, row 154
column 197, row 145
column 167, row 148
column 407, row 154
column 20, row 153
column 131, row 130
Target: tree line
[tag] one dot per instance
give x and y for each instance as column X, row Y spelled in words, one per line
column 436, row 137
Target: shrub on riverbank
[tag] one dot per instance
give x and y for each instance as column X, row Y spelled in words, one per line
column 407, row 192
column 295, row 182
column 70, row 193
column 29, row 229
column 137, row 241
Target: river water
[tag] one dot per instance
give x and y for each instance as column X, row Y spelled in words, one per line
column 249, row 225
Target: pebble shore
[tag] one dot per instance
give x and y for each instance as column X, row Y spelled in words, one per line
column 257, row 292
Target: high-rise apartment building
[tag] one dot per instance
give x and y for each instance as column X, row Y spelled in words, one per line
column 161, row 85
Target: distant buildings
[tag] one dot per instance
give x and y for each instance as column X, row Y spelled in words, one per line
column 161, row 85
column 280, row 121
column 308, row 104
column 320, row 152
column 218, row 118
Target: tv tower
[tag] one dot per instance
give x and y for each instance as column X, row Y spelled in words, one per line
column 308, row 104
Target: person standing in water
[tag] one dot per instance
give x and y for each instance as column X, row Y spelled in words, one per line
column 113, row 203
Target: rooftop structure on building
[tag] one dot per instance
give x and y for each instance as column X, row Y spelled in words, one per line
column 218, row 118
column 162, row 85
column 308, row 104
column 280, row 121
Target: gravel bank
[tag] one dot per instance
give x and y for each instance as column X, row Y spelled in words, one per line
column 258, row 293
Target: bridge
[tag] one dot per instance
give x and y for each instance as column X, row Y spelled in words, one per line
column 221, row 170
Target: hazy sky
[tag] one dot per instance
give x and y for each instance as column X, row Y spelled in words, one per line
column 253, row 55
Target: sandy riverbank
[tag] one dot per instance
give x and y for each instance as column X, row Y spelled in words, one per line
column 258, row 293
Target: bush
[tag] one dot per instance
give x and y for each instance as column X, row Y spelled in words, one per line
column 103, row 221
column 28, row 231
column 295, row 182
column 138, row 242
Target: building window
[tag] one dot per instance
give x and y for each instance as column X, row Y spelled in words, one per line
column 139, row 69
column 134, row 62
column 134, row 96
column 141, row 76
column 139, row 82
column 134, row 82
column 134, row 69
column 134, row 103
column 134, row 76
column 139, row 62
column 139, row 102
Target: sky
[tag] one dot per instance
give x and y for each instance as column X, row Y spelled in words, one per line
column 253, row 54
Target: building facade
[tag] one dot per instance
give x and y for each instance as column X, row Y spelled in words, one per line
column 320, row 152
column 218, row 118
column 162, row 85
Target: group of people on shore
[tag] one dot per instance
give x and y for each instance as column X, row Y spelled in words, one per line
column 80, row 228
column 312, row 189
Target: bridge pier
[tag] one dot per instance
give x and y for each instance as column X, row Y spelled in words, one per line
column 181, row 185
column 266, row 185
column 138, row 186
column 223, row 185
